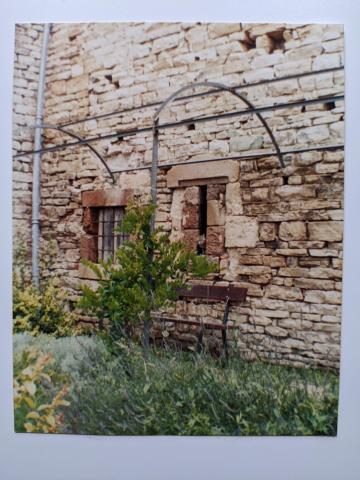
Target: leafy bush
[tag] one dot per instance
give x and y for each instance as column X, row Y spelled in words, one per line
column 187, row 394
column 37, row 407
column 143, row 276
column 43, row 309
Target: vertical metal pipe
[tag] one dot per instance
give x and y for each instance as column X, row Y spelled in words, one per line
column 35, row 221
column 154, row 168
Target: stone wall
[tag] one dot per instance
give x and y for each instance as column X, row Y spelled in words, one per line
column 278, row 232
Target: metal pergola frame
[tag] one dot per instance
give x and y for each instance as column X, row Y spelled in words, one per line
column 213, row 87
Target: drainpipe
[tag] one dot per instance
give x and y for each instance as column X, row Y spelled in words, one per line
column 35, row 220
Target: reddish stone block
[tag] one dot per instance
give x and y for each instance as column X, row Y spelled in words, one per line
column 88, row 247
column 191, row 239
column 90, row 220
column 214, row 191
column 190, row 217
column 215, row 240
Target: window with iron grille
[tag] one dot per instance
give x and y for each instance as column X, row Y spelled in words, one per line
column 107, row 240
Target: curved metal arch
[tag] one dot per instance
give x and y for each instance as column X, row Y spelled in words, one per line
column 220, row 87
column 78, row 137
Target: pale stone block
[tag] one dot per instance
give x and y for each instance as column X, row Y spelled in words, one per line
column 326, row 168
column 240, row 144
column 215, row 213
column 233, row 199
column 276, row 331
column 267, row 231
column 75, row 85
column 165, row 43
column 241, row 231
column 292, row 231
column 296, row 191
column 259, row 75
column 327, row 60
column 220, row 147
column 321, row 296
column 305, row 51
column 329, row 231
column 223, row 171
column 313, row 134
column 283, row 293
column 77, row 70
column 220, row 29
column 260, row 320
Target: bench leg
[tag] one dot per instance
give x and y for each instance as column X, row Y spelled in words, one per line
column 224, row 332
column 199, row 343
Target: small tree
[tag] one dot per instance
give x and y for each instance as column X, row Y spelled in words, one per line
column 143, row 276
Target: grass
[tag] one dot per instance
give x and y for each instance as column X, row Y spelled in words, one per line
column 181, row 393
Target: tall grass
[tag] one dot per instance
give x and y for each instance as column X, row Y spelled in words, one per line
column 180, row 393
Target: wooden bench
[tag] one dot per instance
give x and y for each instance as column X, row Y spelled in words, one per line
column 228, row 295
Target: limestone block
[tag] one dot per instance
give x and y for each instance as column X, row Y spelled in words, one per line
column 274, row 30
column 323, row 252
column 314, row 134
column 290, row 192
column 197, row 36
column 215, row 213
column 320, row 296
column 267, row 231
column 276, row 331
column 220, row 147
column 327, row 168
column 337, row 130
column 58, row 88
column 77, row 84
column 233, row 199
column 241, row 231
column 260, row 320
column 212, row 172
column 240, row 144
column 258, row 75
column 253, row 270
column 292, row 231
column 215, row 236
column 283, row 293
column 176, row 209
column 220, row 29
column 165, row 43
column 305, row 51
column 77, row 70
column 327, row 60
column 329, row 231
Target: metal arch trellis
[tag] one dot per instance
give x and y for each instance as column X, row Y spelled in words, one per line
column 221, row 88
column 72, row 134
column 214, row 87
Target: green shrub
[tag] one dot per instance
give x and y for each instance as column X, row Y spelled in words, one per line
column 38, row 402
column 44, row 309
column 143, row 276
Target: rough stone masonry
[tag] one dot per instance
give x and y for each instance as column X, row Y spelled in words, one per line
column 276, row 231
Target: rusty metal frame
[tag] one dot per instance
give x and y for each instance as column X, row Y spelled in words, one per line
column 47, row 126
